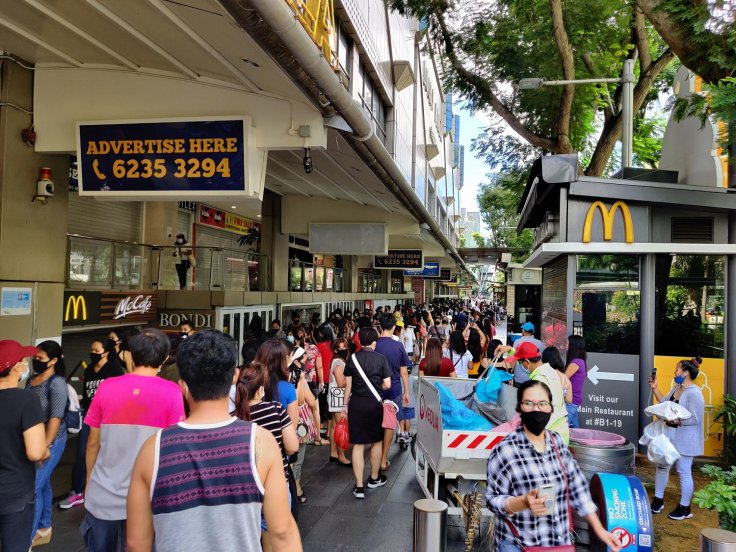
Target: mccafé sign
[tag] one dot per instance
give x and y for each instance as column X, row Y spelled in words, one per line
column 91, row 308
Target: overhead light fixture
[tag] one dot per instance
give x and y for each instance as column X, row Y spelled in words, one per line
column 307, row 162
column 259, row 216
column 251, row 62
column 233, row 206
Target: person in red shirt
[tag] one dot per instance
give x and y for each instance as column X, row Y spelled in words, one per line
column 324, row 337
column 433, row 363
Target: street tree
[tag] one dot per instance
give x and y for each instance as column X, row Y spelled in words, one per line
column 489, row 45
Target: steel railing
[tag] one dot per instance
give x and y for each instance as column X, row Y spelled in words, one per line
column 318, row 19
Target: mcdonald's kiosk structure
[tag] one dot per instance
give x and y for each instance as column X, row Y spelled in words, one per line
column 644, row 269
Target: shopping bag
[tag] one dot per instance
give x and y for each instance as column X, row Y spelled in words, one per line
column 342, row 434
column 669, row 411
column 661, row 451
column 389, row 415
column 306, row 431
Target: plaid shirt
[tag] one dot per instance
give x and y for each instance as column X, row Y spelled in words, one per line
column 516, row 468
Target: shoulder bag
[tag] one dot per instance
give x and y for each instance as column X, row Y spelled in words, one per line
column 389, row 407
column 561, row 547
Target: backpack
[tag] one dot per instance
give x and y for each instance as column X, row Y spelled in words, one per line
column 72, row 412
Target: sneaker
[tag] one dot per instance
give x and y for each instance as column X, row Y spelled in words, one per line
column 375, row 483
column 74, row 499
column 359, row 492
column 681, row 512
column 657, row 505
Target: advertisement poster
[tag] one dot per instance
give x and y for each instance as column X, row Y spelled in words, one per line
column 15, row 301
column 430, row 270
column 230, row 222
column 162, row 158
column 400, row 258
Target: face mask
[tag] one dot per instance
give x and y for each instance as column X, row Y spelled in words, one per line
column 342, row 353
column 95, row 358
column 535, row 421
column 24, row 375
column 290, row 338
column 39, row 366
column 679, row 380
column 183, row 335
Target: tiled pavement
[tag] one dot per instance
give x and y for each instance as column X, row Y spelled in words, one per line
column 330, row 520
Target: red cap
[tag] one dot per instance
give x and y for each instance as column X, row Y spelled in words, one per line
column 523, row 351
column 12, row 352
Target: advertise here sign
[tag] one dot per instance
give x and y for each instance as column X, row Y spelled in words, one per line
column 162, row 158
column 400, row 258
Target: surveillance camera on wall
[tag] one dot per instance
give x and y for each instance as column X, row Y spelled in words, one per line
column 45, row 188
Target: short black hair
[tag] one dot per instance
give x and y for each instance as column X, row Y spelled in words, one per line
column 388, row 322
column 186, row 322
column 149, row 348
column 529, row 384
column 367, row 336
column 276, row 321
column 551, row 356
column 206, row 363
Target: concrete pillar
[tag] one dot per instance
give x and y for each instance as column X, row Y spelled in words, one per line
column 730, row 337
column 647, row 322
column 161, row 222
column 33, row 247
column 274, row 243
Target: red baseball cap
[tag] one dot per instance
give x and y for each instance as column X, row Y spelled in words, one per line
column 525, row 350
column 12, row 352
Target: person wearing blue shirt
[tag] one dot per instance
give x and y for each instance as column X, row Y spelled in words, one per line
column 527, row 335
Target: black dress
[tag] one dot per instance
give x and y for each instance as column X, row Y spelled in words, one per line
column 365, row 411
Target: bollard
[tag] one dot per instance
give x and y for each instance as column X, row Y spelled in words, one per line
column 430, row 525
column 717, row 540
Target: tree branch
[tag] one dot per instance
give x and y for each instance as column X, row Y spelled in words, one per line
column 564, row 48
column 640, row 39
column 680, row 35
column 482, row 88
column 612, row 128
column 590, row 66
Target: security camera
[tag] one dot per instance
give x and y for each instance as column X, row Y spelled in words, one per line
column 45, row 188
column 307, row 162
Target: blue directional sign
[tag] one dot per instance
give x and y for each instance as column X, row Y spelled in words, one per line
column 430, row 270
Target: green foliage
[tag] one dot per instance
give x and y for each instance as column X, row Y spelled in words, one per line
column 648, row 135
column 462, row 240
column 479, row 240
column 717, row 102
column 726, row 416
column 498, row 199
column 719, row 495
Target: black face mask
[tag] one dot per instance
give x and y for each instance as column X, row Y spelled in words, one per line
column 95, row 358
column 39, row 366
column 342, row 353
column 535, row 421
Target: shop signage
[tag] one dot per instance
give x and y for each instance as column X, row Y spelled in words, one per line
column 169, row 320
column 162, row 158
column 209, row 216
column 400, row 258
column 87, row 308
column 611, row 395
column 73, row 175
column 190, row 206
column 445, row 275
column 417, row 288
column 607, row 219
column 430, row 270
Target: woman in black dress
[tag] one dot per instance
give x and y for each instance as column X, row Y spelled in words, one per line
column 365, row 408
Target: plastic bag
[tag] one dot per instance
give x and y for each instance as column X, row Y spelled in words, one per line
column 490, row 384
column 669, row 411
column 651, row 431
column 661, row 451
column 455, row 415
column 342, row 434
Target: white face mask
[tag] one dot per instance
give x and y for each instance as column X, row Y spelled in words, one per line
column 25, row 374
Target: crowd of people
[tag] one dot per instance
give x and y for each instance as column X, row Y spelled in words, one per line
column 159, row 461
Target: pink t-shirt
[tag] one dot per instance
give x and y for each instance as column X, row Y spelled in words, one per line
column 127, row 410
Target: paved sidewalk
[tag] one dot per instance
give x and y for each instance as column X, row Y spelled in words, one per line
column 331, row 519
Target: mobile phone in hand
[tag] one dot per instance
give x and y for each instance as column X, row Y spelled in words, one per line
column 548, row 492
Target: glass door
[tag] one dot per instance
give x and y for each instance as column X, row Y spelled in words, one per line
column 238, row 321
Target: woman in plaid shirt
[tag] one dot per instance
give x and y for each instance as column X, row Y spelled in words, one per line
column 524, row 461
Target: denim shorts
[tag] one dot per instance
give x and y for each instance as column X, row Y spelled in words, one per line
column 405, row 413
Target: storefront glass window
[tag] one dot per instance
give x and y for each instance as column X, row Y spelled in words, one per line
column 606, row 303
column 690, row 306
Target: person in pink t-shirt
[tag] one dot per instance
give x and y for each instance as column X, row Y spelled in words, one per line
column 124, row 412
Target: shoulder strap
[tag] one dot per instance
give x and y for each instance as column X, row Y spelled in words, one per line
column 365, row 379
column 567, row 484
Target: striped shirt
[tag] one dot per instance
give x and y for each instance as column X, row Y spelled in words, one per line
column 206, row 493
column 272, row 417
column 515, row 468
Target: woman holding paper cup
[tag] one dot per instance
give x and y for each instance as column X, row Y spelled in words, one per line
column 533, row 481
column 686, row 436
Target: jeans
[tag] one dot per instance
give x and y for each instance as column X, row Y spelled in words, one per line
column 14, row 529
column 684, row 468
column 508, row 546
column 296, row 467
column 79, row 470
column 102, row 535
column 44, row 496
column 572, row 415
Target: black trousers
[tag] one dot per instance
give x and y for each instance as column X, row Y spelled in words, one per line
column 181, row 270
column 15, row 529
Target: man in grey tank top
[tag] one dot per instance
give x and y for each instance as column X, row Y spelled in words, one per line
column 236, row 465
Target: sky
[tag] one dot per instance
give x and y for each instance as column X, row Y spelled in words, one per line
column 471, row 125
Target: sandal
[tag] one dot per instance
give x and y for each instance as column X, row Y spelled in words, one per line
column 321, row 442
column 302, row 498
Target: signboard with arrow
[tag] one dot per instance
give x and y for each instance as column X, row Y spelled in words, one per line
column 611, row 395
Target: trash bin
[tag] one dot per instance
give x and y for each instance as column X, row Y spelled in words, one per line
column 717, row 540
column 430, row 525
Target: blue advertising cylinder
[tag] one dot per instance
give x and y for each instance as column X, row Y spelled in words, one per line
column 623, row 508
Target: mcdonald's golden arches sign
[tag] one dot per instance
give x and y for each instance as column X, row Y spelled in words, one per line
column 608, row 218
